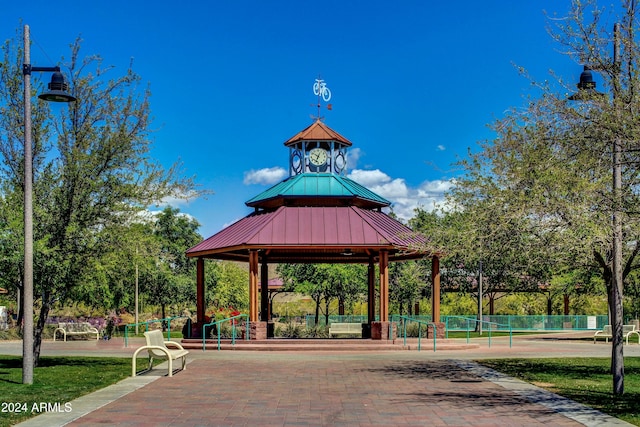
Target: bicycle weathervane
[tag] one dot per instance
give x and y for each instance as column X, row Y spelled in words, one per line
column 323, row 93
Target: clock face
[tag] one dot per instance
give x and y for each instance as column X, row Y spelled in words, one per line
column 318, row 156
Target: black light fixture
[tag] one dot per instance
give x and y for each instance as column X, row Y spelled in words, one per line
column 57, row 89
column 586, row 87
column 346, row 252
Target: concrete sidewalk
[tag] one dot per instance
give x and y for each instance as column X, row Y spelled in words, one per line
column 335, row 388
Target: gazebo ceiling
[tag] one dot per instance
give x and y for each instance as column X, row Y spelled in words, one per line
column 331, row 234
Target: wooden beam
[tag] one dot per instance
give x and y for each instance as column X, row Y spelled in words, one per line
column 264, row 292
column 200, row 301
column 371, row 301
column 384, row 286
column 435, row 289
column 253, row 286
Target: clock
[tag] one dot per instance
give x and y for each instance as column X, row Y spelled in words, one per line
column 318, row 156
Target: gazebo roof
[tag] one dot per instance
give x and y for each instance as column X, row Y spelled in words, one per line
column 317, row 131
column 318, row 189
column 313, row 234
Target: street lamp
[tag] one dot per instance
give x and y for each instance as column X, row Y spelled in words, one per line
column 57, row 93
column 587, row 91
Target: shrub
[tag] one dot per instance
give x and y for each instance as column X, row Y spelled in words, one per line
column 291, row 331
column 317, row 331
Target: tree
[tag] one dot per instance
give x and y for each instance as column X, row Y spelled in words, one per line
column 168, row 283
column 92, row 171
column 551, row 162
column 407, row 281
column 229, row 283
column 325, row 282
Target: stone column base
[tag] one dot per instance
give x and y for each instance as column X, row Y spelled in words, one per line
column 440, row 331
column 380, row 331
column 258, row 331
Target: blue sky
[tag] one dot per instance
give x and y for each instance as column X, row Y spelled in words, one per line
column 414, row 83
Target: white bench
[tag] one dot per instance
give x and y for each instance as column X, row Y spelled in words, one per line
column 158, row 348
column 72, row 329
column 345, row 329
column 607, row 333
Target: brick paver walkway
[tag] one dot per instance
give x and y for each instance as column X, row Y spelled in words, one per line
column 304, row 390
column 319, row 388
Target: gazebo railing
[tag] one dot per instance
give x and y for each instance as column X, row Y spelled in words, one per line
column 404, row 320
column 218, row 325
column 146, row 325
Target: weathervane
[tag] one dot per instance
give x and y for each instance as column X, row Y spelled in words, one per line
column 324, row 94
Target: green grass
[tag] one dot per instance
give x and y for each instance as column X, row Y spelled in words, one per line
column 55, row 380
column 585, row 380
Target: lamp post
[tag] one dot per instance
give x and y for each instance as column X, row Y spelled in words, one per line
column 587, row 91
column 57, row 93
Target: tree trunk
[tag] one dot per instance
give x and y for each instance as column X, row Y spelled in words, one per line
column 163, row 310
column 42, row 320
column 317, row 317
column 326, row 311
column 617, row 356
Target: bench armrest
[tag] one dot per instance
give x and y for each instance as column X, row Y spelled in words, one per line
column 174, row 344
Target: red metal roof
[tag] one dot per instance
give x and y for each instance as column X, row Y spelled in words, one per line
column 321, row 233
column 318, row 131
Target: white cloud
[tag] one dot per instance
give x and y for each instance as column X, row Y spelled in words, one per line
column 404, row 199
column 369, row 177
column 441, row 147
column 353, row 155
column 265, row 176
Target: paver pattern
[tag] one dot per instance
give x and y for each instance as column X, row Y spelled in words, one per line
column 332, row 388
column 304, row 390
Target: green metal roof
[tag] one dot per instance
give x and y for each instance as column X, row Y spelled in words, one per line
column 318, row 187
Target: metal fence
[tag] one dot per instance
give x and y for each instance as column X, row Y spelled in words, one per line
column 541, row 322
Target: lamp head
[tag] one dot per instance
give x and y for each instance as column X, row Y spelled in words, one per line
column 57, row 90
column 586, row 79
column 586, row 87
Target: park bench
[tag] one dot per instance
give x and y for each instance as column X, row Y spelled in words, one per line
column 607, row 333
column 158, row 348
column 345, row 329
column 75, row 329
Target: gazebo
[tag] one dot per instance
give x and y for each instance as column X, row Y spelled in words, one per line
column 316, row 215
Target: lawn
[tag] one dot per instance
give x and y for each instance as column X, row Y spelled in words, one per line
column 585, row 380
column 56, row 382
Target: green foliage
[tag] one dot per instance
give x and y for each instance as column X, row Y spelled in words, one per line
column 290, row 330
column 457, row 304
column 407, row 282
column 228, row 285
column 346, row 283
column 317, row 331
column 93, row 175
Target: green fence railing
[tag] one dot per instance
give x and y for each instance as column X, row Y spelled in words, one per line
column 541, row 322
column 218, row 326
column 471, row 326
column 405, row 320
column 149, row 322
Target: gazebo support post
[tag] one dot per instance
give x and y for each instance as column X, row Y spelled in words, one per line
column 258, row 328
column 380, row 329
column 200, row 304
column 265, row 309
column 435, row 297
column 371, row 300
